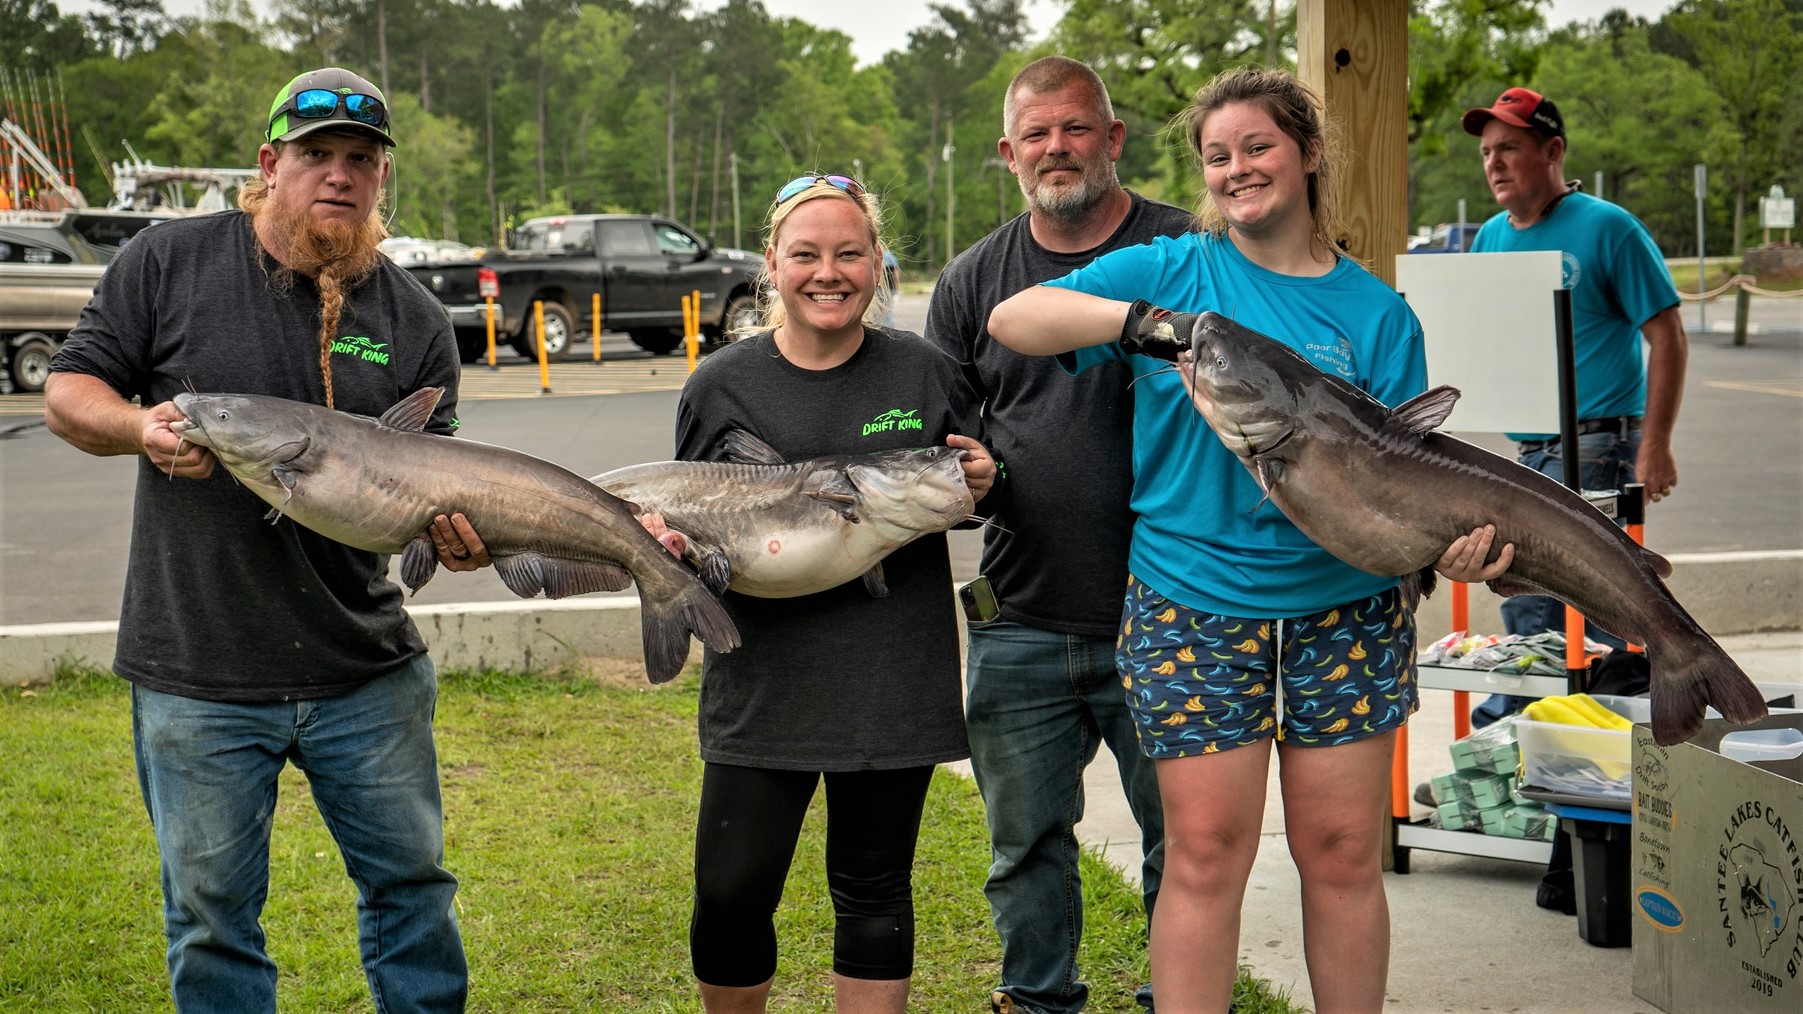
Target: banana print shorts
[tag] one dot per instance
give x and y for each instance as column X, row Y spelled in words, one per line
column 1200, row 683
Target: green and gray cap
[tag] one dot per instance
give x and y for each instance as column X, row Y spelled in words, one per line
column 330, row 97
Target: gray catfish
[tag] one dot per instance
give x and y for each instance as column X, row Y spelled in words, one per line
column 773, row 529
column 1381, row 490
column 376, row 484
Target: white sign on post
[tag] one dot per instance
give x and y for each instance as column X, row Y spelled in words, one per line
column 1491, row 332
column 1777, row 211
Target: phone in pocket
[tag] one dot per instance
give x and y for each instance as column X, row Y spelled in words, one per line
column 978, row 599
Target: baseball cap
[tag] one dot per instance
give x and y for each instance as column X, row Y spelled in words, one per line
column 328, row 97
column 1518, row 107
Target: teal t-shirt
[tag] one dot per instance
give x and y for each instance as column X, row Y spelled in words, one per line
column 1618, row 281
column 1206, row 537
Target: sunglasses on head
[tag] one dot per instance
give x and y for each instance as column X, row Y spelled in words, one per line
column 800, row 183
column 320, row 103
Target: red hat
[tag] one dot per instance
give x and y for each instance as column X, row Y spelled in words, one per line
column 1521, row 108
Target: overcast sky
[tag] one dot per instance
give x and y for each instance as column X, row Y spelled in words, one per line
column 878, row 27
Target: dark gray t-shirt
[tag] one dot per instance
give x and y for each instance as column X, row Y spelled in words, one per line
column 1058, row 559
column 835, row 681
column 219, row 603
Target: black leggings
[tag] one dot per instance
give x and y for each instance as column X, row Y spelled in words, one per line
column 745, row 840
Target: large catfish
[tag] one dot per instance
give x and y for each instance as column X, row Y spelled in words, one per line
column 1381, row 490
column 376, row 484
column 776, row 529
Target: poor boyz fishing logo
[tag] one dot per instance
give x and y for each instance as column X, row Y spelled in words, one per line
column 1334, row 356
column 360, row 347
column 1758, row 881
column 895, row 419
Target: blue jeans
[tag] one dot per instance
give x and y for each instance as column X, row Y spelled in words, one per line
column 208, row 771
column 1040, row 703
column 1606, row 461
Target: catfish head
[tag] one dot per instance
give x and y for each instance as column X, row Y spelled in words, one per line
column 1249, row 387
column 919, row 490
column 251, row 437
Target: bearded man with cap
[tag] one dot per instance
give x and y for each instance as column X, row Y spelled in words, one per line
column 250, row 644
column 1621, row 294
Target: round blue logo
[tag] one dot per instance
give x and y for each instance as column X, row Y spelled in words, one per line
column 1661, row 909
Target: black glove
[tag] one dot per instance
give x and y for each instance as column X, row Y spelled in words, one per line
column 1157, row 332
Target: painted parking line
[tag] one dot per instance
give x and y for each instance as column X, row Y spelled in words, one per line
column 1782, row 388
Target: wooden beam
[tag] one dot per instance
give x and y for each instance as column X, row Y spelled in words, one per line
column 1355, row 54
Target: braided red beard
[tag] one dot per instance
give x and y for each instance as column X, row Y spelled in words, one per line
column 342, row 252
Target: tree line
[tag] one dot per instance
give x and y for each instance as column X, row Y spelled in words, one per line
column 660, row 106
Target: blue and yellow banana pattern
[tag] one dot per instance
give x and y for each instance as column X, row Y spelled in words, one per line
column 1202, row 683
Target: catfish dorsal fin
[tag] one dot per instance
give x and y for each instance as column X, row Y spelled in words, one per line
column 410, row 413
column 1427, row 410
column 740, row 446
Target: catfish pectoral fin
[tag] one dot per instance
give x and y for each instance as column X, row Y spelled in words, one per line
column 1418, row 586
column 844, row 504
column 874, row 582
column 715, row 570
column 419, row 561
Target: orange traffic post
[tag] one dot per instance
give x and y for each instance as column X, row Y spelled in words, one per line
column 490, row 300
column 594, row 333
column 544, row 365
column 691, row 324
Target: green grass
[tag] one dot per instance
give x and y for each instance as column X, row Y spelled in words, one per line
column 569, row 818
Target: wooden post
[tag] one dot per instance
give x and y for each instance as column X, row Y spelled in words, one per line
column 1355, row 54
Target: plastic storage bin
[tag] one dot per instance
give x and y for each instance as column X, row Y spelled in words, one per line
column 1580, row 761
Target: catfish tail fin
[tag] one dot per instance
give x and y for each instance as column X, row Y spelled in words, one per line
column 1682, row 688
column 667, row 623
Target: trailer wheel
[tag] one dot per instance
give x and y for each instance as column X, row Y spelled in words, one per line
column 29, row 365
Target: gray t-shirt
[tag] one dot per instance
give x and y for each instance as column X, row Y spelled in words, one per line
column 220, row 604
column 835, row 681
column 1058, row 559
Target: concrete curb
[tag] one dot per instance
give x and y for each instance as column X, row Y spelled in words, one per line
column 1728, row 593
column 527, row 635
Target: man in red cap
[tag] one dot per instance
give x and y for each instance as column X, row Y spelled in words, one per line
column 251, row 645
column 1621, row 294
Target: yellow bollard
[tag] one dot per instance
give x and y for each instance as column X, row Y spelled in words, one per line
column 544, row 365
column 691, row 326
column 490, row 300
column 594, row 334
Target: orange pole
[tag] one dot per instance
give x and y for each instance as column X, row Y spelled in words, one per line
column 1461, row 620
column 1399, row 776
column 544, row 364
column 594, row 334
column 491, row 332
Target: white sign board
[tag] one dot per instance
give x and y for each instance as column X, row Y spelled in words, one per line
column 1777, row 212
column 1490, row 331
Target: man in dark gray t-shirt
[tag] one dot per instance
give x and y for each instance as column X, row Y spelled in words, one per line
column 249, row 644
column 1042, row 690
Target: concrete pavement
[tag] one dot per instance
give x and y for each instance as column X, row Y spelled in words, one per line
column 1465, row 932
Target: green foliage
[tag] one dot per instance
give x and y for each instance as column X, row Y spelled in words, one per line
column 569, row 806
column 661, row 106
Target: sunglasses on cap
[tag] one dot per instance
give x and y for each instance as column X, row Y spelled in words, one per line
column 800, row 183
column 323, row 103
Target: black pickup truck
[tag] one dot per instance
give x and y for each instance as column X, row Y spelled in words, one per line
column 641, row 265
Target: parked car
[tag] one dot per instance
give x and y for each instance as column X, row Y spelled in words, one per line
column 49, row 264
column 1445, row 239
column 406, row 250
column 641, row 266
